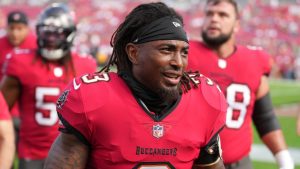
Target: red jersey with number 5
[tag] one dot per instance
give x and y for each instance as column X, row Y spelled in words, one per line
column 41, row 84
column 123, row 134
column 239, row 77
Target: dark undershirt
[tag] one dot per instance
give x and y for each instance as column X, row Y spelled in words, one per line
column 152, row 100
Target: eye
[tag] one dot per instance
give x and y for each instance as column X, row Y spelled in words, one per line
column 165, row 49
column 223, row 14
column 209, row 13
column 184, row 53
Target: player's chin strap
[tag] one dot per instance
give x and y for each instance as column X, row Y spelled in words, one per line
column 284, row 160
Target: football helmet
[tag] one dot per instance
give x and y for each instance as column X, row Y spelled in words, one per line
column 56, row 31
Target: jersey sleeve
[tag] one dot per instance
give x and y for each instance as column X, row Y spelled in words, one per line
column 72, row 114
column 4, row 113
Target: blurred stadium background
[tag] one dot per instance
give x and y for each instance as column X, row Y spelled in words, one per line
column 271, row 24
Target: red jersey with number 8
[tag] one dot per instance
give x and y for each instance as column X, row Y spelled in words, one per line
column 239, row 77
column 41, row 84
column 121, row 133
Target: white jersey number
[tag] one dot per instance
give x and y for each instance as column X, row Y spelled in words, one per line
column 154, row 165
column 237, row 105
column 40, row 94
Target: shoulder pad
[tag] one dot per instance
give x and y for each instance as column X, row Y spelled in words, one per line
column 210, row 91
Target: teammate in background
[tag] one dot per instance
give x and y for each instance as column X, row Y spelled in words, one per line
column 241, row 73
column 7, row 139
column 37, row 77
column 18, row 35
column 151, row 113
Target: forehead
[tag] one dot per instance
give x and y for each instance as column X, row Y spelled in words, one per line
column 224, row 7
column 175, row 43
column 17, row 25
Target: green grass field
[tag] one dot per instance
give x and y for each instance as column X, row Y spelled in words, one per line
column 283, row 93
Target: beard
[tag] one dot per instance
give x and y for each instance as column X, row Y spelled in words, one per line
column 215, row 41
column 169, row 95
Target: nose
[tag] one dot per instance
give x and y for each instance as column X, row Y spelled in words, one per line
column 15, row 33
column 178, row 61
column 215, row 17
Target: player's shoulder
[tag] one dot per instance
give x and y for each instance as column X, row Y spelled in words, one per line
column 87, row 90
column 209, row 90
column 196, row 43
column 254, row 51
column 19, row 53
column 21, row 56
column 256, row 55
column 90, row 84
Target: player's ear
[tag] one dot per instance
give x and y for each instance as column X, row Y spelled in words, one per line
column 236, row 26
column 132, row 53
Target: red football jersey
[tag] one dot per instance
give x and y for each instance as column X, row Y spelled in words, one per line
column 6, row 47
column 239, row 77
column 4, row 113
column 123, row 134
column 41, row 85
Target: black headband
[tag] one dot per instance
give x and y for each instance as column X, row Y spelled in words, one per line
column 166, row 28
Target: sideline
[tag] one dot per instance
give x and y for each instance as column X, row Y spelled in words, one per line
column 262, row 153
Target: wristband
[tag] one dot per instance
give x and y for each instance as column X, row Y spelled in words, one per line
column 284, row 160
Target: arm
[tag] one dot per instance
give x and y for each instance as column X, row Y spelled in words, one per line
column 268, row 127
column 218, row 165
column 210, row 155
column 7, row 144
column 10, row 88
column 67, row 152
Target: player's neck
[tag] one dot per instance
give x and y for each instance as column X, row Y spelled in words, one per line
column 225, row 50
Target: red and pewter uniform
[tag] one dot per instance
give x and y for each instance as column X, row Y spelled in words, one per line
column 121, row 132
column 239, row 77
column 6, row 47
column 4, row 113
column 41, row 84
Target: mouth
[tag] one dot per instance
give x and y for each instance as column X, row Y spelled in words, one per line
column 213, row 29
column 172, row 78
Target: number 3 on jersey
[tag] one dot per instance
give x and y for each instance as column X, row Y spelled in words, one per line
column 40, row 94
column 240, row 105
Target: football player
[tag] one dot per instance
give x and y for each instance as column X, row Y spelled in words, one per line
column 7, row 146
column 36, row 78
column 241, row 73
column 18, row 36
column 151, row 113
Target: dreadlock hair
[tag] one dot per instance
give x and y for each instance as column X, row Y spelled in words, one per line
column 140, row 16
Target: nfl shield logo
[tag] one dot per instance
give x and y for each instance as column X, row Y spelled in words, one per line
column 158, row 131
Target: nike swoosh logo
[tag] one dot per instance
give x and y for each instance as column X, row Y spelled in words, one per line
column 76, row 86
